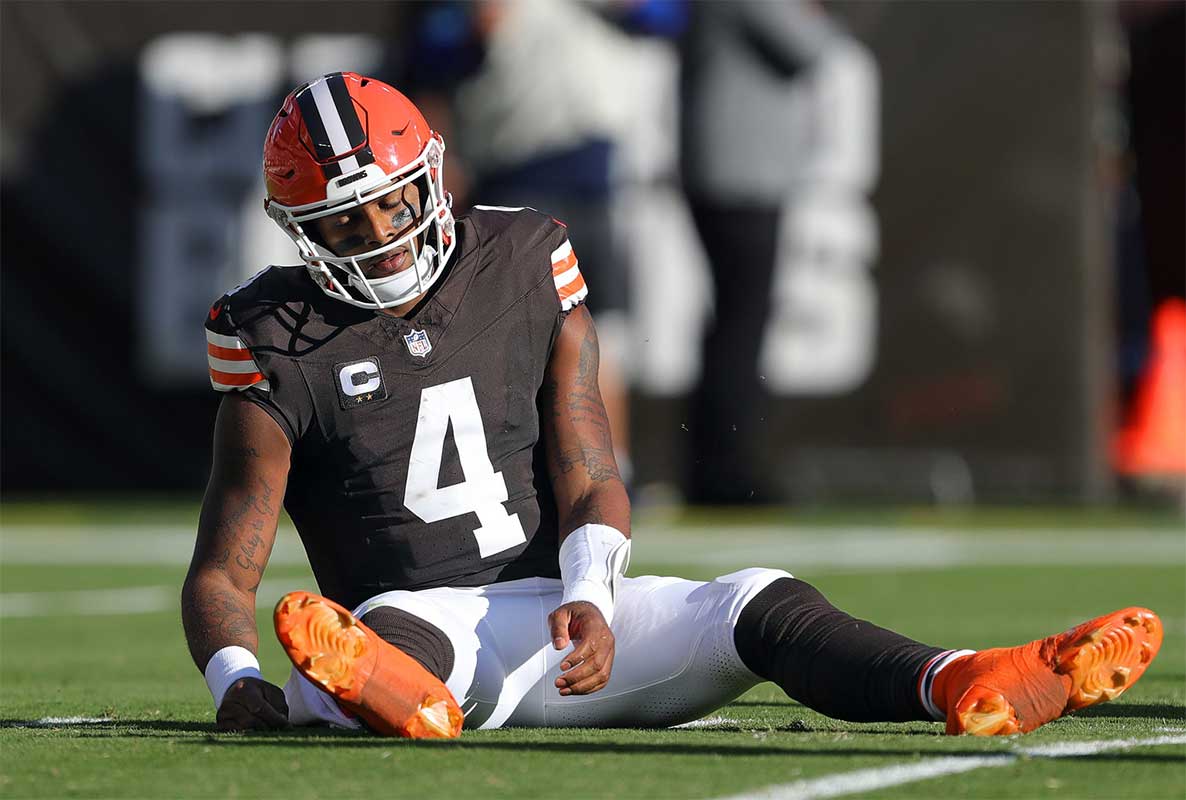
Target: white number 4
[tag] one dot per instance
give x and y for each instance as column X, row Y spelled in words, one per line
column 483, row 492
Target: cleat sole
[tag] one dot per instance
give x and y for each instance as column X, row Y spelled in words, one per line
column 369, row 677
column 1103, row 662
column 329, row 642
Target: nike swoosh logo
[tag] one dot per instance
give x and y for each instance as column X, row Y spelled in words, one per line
column 214, row 312
column 400, row 132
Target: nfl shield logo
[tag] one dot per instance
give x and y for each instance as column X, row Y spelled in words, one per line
column 418, row 344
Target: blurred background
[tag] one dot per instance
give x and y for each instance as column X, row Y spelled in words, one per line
column 838, row 252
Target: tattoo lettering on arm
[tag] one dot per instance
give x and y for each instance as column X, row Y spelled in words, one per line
column 218, row 603
column 249, row 557
column 236, row 531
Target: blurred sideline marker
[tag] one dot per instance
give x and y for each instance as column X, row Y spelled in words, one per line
column 1153, row 442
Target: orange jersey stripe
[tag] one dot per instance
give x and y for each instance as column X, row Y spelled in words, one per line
column 564, row 264
column 228, row 353
column 236, row 378
column 572, row 287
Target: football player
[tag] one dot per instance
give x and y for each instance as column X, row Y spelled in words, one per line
column 421, row 396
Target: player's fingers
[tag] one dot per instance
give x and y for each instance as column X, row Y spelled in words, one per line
column 598, row 662
column 234, row 716
column 270, row 716
column 275, row 697
column 580, row 653
column 253, row 709
column 577, row 677
column 591, row 683
column 558, row 624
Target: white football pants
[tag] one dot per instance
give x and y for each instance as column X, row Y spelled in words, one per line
column 674, row 658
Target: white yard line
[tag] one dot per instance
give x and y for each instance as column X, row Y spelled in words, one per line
column 802, row 548
column 868, row 780
column 1076, row 749
column 876, row 778
column 58, row 722
column 709, row 722
column 132, row 600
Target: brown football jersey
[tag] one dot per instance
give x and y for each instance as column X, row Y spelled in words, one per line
column 416, row 457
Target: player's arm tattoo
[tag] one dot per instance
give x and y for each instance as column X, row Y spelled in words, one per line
column 218, row 602
column 235, row 537
column 576, row 428
column 579, row 407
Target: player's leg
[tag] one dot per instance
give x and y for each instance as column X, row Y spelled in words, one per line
column 488, row 645
column 675, row 653
column 842, row 667
column 851, row 669
column 675, row 658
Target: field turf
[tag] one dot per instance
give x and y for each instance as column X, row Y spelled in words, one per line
column 99, row 698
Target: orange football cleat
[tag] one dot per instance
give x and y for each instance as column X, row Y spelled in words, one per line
column 370, row 678
column 1010, row 690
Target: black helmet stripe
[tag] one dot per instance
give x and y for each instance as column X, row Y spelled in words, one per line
column 346, row 109
column 334, row 126
column 322, row 149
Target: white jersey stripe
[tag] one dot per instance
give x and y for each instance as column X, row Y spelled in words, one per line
column 229, row 342
column 562, row 252
column 574, row 299
column 568, row 276
column 223, row 387
column 330, row 118
column 223, row 365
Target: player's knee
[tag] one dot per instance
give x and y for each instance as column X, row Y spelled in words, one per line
column 421, row 640
column 749, row 583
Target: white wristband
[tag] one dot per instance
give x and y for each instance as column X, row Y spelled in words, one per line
column 227, row 666
column 593, row 559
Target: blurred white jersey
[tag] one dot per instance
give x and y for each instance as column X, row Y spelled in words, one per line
column 674, row 660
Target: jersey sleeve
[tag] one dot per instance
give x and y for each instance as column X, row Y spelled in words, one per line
column 272, row 383
column 232, row 367
column 566, row 273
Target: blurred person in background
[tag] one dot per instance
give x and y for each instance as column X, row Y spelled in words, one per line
column 413, row 349
column 528, row 92
column 739, row 129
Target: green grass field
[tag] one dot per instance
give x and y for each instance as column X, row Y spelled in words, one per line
column 99, row 698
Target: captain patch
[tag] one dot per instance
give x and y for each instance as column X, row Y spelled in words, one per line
column 359, row 382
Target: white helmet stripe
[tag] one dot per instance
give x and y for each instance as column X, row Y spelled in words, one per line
column 330, row 118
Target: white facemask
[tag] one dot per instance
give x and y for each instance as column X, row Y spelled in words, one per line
column 402, row 285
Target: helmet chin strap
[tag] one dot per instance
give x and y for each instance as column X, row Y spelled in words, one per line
column 397, row 286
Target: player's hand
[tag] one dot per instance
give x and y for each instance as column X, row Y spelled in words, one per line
column 252, row 704
column 586, row 669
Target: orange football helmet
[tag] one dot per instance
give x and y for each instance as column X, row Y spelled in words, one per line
column 337, row 143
